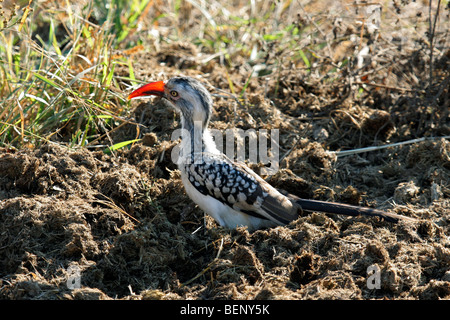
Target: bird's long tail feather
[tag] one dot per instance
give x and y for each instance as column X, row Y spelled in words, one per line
column 348, row 210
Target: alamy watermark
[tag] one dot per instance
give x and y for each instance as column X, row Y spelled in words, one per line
column 237, row 144
column 373, row 280
column 73, row 277
column 374, row 277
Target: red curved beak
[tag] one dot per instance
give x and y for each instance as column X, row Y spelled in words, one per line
column 150, row 89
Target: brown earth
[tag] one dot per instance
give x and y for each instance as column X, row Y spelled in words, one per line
column 125, row 222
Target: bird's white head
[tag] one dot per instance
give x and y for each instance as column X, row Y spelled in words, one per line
column 187, row 95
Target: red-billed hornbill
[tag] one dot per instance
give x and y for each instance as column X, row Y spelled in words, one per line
column 231, row 192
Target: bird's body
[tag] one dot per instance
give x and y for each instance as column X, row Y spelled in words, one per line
column 230, row 192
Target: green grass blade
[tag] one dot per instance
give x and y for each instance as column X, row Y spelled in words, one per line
column 48, row 81
column 119, row 145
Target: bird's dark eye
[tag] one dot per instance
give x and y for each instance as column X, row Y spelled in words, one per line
column 174, row 93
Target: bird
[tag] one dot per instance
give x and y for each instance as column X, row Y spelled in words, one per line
column 229, row 191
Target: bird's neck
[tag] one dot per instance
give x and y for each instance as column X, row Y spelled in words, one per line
column 196, row 138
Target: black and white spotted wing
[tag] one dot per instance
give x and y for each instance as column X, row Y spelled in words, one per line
column 238, row 187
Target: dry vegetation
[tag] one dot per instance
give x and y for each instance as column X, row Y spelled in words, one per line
column 86, row 178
